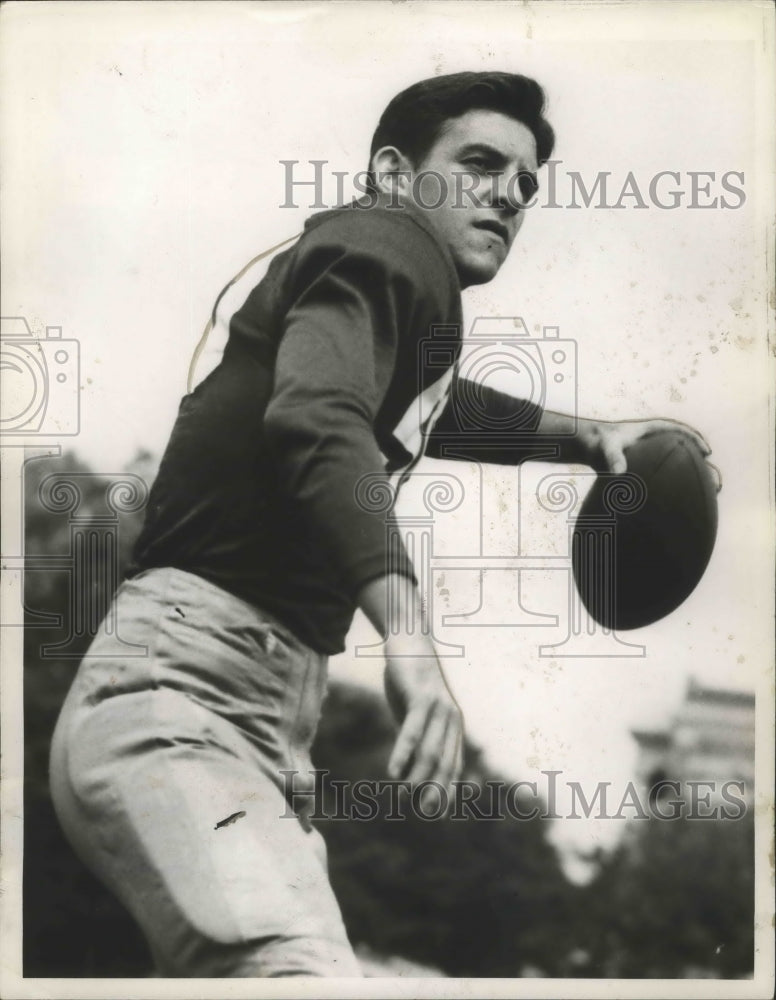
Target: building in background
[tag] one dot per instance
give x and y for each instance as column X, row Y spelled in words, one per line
column 710, row 738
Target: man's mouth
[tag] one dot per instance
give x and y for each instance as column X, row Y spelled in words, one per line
column 494, row 227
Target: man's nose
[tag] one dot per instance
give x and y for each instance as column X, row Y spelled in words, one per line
column 513, row 193
column 506, row 204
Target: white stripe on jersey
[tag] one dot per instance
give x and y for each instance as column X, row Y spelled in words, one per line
column 422, row 412
column 210, row 349
column 413, row 429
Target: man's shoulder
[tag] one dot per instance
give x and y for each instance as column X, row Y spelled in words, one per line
column 396, row 234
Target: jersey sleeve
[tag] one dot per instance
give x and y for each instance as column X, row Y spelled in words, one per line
column 357, row 286
column 482, row 424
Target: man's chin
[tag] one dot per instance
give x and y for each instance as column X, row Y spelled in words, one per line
column 479, row 269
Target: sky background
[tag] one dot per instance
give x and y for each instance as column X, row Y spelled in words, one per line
column 141, row 170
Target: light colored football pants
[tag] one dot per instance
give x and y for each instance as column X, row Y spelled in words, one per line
column 152, row 752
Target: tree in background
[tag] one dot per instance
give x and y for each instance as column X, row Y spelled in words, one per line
column 72, row 925
column 472, row 897
column 674, row 900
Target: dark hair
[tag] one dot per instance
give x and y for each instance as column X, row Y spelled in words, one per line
column 414, row 119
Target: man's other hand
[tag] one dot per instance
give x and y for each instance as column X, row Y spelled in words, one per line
column 429, row 744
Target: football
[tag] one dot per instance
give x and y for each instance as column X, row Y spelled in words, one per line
column 642, row 540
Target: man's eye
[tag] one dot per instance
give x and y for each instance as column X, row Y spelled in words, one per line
column 529, row 186
column 477, row 164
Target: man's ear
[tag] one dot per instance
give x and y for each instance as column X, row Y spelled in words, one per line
column 392, row 171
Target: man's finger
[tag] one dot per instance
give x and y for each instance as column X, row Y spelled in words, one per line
column 407, row 741
column 430, row 747
column 717, row 475
column 614, row 457
column 656, row 426
column 699, row 439
column 451, row 761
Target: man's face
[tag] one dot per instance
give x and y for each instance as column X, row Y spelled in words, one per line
column 486, row 167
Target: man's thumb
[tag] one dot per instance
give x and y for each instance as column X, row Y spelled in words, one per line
column 615, row 459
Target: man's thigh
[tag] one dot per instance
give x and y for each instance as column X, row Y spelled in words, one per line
column 143, row 783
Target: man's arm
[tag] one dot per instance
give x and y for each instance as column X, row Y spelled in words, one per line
column 332, row 367
column 334, row 363
column 429, row 745
column 506, row 430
